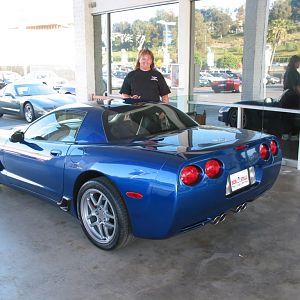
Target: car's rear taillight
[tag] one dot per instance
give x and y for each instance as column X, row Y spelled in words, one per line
column 190, row 175
column 264, row 151
column 274, row 148
column 213, row 168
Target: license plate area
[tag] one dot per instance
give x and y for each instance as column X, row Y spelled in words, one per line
column 239, row 180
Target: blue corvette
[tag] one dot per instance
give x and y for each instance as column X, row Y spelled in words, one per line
column 145, row 170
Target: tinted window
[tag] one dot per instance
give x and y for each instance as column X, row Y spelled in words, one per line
column 58, row 126
column 128, row 122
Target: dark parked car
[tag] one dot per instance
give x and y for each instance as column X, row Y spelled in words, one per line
column 30, row 100
column 146, row 170
column 270, row 121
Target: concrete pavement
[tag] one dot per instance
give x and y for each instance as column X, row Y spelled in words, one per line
column 251, row 255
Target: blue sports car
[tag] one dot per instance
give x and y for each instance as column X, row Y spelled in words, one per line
column 146, row 170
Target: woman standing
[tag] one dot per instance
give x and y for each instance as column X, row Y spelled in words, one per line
column 145, row 82
column 291, row 79
column 291, row 98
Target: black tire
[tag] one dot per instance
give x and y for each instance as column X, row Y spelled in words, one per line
column 232, row 118
column 29, row 114
column 1, row 115
column 103, row 214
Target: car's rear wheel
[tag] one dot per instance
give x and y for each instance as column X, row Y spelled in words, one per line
column 29, row 114
column 103, row 215
column 232, row 119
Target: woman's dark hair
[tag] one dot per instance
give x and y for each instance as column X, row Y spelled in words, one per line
column 293, row 60
column 144, row 52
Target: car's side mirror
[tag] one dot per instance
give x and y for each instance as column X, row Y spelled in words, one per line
column 17, row 137
column 9, row 95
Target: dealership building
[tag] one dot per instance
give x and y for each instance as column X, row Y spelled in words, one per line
column 97, row 36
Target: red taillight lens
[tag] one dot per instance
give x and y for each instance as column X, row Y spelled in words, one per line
column 264, row 151
column 190, row 175
column 213, row 168
column 274, row 148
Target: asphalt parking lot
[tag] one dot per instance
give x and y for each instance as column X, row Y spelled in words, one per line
column 254, row 254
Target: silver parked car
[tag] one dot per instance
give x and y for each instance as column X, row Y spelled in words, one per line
column 31, row 100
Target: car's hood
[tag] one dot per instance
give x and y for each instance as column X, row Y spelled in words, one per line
column 195, row 140
column 52, row 100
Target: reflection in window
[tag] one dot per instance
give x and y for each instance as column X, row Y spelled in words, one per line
column 128, row 122
column 154, row 28
column 282, row 42
column 58, row 126
column 219, row 34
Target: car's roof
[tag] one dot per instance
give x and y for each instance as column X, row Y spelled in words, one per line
column 102, row 105
column 26, row 82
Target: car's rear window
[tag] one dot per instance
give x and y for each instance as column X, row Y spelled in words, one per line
column 129, row 122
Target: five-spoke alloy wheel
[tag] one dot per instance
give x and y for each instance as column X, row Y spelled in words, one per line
column 103, row 214
column 29, row 112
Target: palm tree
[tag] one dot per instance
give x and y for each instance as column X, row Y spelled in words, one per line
column 277, row 33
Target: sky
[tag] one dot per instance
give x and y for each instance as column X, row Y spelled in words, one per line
column 20, row 12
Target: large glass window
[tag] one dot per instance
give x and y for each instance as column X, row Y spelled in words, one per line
column 282, row 44
column 218, row 49
column 154, row 28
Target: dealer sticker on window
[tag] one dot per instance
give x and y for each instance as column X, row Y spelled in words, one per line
column 239, row 180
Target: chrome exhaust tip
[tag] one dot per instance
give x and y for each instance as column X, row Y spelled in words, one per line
column 244, row 205
column 239, row 208
column 222, row 218
column 215, row 221
column 218, row 219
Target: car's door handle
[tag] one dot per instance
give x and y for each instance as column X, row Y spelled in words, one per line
column 55, row 152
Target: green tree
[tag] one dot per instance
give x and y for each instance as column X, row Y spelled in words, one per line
column 168, row 16
column 295, row 5
column 122, row 36
column 218, row 22
column 202, row 35
column 145, row 35
column 281, row 9
column 240, row 19
column 277, row 33
column 229, row 61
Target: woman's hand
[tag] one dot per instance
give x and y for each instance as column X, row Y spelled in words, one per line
column 126, row 96
column 135, row 97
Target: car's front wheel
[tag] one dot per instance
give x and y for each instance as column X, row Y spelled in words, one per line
column 103, row 214
column 29, row 112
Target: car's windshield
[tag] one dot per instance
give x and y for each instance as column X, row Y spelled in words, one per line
column 129, row 122
column 33, row 90
column 11, row 76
